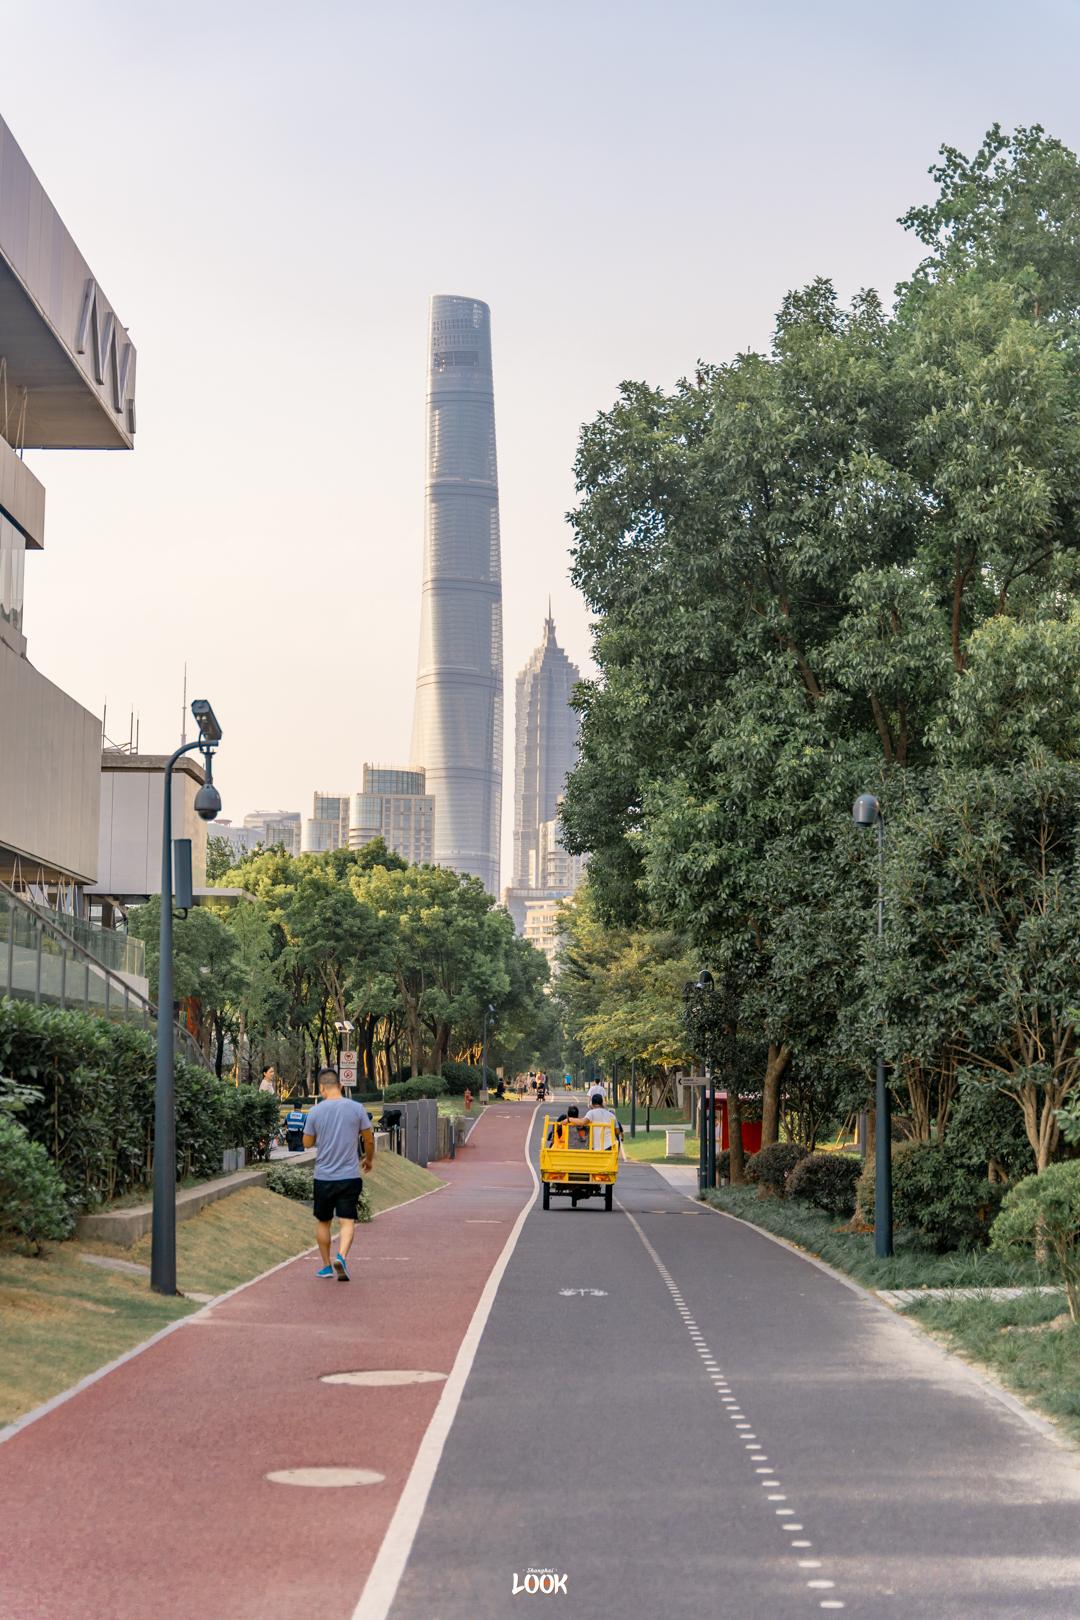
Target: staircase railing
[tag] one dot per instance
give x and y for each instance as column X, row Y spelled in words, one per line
column 39, row 962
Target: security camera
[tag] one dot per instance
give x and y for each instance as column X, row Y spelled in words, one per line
column 209, row 728
column 208, row 802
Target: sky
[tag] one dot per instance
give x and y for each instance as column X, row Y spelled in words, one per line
column 269, row 194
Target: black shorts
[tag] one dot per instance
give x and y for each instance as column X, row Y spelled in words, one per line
column 340, row 1198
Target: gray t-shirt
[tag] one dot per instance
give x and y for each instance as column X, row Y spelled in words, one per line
column 336, row 1125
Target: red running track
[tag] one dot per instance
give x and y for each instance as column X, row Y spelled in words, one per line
column 144, row 1497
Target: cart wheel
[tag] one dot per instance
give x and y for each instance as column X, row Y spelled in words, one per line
column 547, row 1195
column 609, row 1197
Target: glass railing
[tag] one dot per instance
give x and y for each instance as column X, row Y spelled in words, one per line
column 41, row 962
column 111, row 948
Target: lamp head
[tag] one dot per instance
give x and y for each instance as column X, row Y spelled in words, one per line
column 866, row 811
column 704, row 980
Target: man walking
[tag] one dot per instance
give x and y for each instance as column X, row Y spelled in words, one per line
column 335, row 1128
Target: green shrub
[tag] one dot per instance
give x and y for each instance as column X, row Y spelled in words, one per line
column 938, row 1192
column 424, row 1085
column 1043, row 1213
column 459, row 1076
column 770, row 1167
column 828, row 1181
column 299, row 1183
column 94, row 1113
column 251, row 1116
column 33, row 1204
column 723, row 1166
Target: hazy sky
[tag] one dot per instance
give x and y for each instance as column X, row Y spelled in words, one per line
column 270, row 192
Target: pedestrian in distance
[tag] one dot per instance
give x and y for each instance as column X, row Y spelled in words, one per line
column 295, row 1121
column 268, row 1082
column 337, row 1128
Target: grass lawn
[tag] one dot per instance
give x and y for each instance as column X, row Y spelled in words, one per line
column 62, row 1318
column 660, row 1116
column 651, row 1148
column 1028, row 1344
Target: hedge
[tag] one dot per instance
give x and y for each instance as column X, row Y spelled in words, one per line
column 771, row 1166
column 33, row 1199
column 937, row 1192
column 94, row 1115
column 828, row 1181
column 424, row 1085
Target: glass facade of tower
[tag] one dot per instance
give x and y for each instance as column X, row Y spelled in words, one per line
column 545, row 751
column 457, row 721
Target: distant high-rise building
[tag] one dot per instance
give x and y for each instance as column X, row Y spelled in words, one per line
column 276, row 827
column 457, row 721
column 541, row 927
column 545, row 751
column 328, row 825
column 395, row 807
column 554, row 867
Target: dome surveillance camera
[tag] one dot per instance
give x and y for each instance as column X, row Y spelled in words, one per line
column 208, row 802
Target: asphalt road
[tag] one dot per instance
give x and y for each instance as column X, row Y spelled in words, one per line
column 716, row 1427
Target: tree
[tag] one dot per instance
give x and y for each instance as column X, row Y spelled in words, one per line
column 847, row 565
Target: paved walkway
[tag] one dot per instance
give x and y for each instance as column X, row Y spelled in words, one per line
column 146, row 1496
column 667, row 1411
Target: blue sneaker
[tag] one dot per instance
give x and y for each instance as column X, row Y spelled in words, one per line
column 325, row 1271
column 341, row 1268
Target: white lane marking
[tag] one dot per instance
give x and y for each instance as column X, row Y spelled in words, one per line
column 384, row 1376
column 785, row 1515
column 595, row 1293
column 382, row 1583
column 323, row 1477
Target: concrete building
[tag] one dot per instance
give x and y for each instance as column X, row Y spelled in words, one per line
column 396, row 807
column 275, row 827
column 328, row 825
column 541, row 926
column 67, row 381
column 553, row 867
column 129, row 844
column 545, row 749
column 242, row 839
column 457, row 721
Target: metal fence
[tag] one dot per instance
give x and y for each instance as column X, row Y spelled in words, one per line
column 42, row 963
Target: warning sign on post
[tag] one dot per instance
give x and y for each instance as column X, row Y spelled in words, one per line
column 347, row 1070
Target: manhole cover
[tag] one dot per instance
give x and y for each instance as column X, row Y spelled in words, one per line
column 325, row 1476
column 384, row 1376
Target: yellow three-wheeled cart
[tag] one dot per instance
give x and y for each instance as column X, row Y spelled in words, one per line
column 578, row 1159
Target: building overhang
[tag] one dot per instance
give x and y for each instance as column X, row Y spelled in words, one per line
column 68, row 365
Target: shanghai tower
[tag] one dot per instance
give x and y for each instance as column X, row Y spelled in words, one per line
column 457, row 720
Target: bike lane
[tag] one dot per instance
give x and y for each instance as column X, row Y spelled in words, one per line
column 147, row 1494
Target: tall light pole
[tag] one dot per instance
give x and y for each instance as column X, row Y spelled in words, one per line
column 633, row 1096
column 489, row 1012
column 705, row 982
column 867, row 812
column 207, row 805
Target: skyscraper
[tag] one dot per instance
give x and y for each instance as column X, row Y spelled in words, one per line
column 396, row 807
column 457, row 720
column 545, row 751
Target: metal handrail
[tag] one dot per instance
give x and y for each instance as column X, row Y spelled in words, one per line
column 127, row 993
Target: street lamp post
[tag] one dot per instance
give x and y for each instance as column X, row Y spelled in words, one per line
column 867, row 812
column 706, row 1108
column 207, row 805
column 633, row 1096
column 489, row 1012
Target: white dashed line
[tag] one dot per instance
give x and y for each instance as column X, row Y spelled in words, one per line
column 743, row 1426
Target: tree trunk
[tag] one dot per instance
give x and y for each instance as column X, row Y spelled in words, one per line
column 775, row 1069
column 737, row 1161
